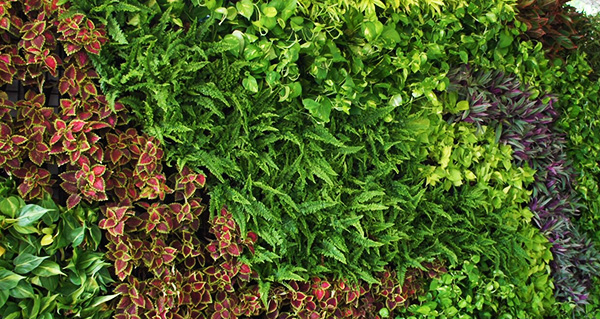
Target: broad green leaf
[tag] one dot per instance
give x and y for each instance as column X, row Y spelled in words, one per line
column 30, row 214
column 8, row 279
column 320, row 110
column 396, row 100
column 22, row 290
column 24, row 263
column 48, row 268
column 369, row 31
column 245, row 8
column 3, row 297
column 505, row 39
column 270, row 12
column 77, row 235
column 462, row 106
column 10, row 206
column 250, row 84
column 390, row 34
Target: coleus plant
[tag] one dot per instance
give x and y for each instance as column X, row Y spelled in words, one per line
column 191, row 278
column 523, row 121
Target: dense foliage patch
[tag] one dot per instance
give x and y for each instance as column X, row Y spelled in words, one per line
column 292, row 158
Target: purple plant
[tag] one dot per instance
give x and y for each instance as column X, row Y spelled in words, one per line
column 525, row 122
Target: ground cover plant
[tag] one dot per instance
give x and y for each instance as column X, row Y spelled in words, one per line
column 49, row 262
column 303, row 159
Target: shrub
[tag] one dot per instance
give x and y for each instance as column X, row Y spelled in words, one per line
column 49, row 262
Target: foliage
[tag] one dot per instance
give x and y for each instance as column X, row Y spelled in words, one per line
column 589, row 28
column 579, row 120
column 476, row 290
column 553, row 22
column 522, row 121
column 48, row 261
column 333, row 169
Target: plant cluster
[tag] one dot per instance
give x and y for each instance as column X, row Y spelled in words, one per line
column 331, row 170
column 49, row 263
column 522, row 120
column 298, row 159
column 552, row 22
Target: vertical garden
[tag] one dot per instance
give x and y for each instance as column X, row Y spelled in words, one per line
column 299, row 159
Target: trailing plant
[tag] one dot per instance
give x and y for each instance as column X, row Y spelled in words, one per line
column 49, row 264
column 590, row 43
column 523, row 121
column 553, row 22
column 476, row 290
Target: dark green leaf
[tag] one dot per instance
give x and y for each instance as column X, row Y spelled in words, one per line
column 24, row 263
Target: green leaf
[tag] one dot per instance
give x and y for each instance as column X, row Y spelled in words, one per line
column 319, row 110
column 22, row 290
column 369, row 31
column 77, row 235
column 101, row 300
column 30, row 214
column 24, row 263
column 8, row 279
column 3, row 297
column 245, row 8
column 505, row 39
column 250, row 84
column 263, row 290
column 270, row 12
column 10, row 206
column 48, row 268
column 462, row 106
column 464, row 57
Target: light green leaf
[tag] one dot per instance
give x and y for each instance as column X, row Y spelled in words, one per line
column 30, row 214
column 245, row 8
column 8, row 279
column 250, row 84
column 102, row 299
column 10, row 205
column 270, row 12
column 47, row 268
column 462, row 106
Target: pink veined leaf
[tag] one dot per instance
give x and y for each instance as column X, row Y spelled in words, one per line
column 99, row 184
column 82, row 58
column 51, row 63
column 98, row 169
column 77, row 125
column 118, row 229
column 73, row 200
